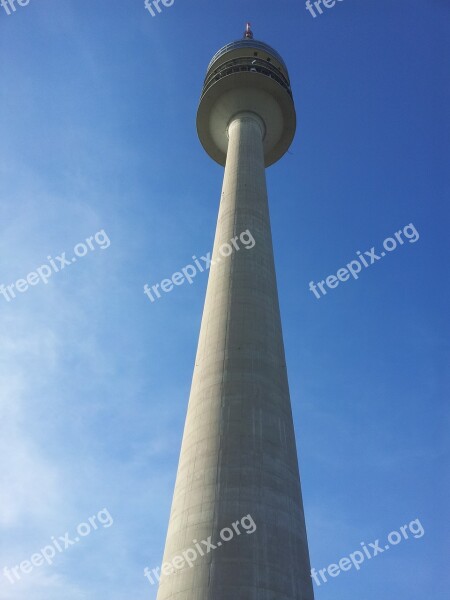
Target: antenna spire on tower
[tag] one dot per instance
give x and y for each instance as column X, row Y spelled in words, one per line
column 248, row 33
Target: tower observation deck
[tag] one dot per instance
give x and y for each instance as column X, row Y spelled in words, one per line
column 238, row 471
column 246, row 75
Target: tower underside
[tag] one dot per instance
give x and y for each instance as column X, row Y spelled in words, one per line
column 238, row 455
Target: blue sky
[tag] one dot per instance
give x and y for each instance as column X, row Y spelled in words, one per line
column 97, row 132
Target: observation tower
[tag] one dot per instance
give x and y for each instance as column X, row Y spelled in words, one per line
column 238, row 462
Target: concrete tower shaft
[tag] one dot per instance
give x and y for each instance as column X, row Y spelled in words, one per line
column 238, row 455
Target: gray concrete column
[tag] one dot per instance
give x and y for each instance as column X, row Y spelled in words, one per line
column 238, row 454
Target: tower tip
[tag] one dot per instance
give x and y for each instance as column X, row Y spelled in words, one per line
column 248, row 33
